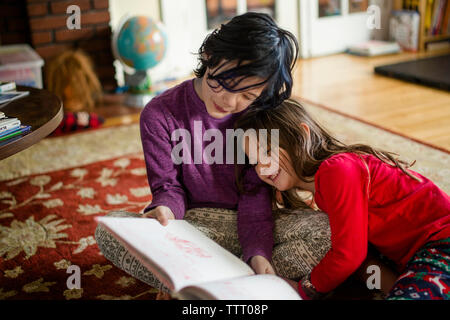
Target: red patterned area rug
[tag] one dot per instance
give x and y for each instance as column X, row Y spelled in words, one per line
column 47, row 225
column 51, row 193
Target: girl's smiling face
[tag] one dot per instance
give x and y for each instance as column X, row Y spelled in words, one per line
column 273, row 167
column 218, row 101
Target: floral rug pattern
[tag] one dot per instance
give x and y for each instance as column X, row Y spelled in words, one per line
column 47, row 225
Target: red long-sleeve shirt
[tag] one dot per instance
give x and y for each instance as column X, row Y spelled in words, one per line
column 377, row 204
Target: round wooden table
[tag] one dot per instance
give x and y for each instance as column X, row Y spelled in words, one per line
column 41, row 110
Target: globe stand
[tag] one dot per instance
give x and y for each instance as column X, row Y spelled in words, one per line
column 140, row 89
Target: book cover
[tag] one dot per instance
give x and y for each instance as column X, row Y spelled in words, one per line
column 435, row 17
column 404, row 28
column 257, row 287
column 374, row 48
column 440, row 17
column 428, row 15
column 5, row 120
column 12, row 95
column 192, row 265
column 8, row 124
column 19, row 131
column 10, row 140
column 4, row 133
column 7, row 86
column 446, row 18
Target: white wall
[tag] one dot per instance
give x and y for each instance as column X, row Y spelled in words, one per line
column 118, row 8
column 185, row 22
column 330, row 35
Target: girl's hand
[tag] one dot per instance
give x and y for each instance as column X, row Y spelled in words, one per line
column 261, row 265
column 162, row 214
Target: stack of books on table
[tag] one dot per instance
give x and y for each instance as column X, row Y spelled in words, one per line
column 11, row 128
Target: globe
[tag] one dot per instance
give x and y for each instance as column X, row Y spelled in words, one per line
column 140, row 43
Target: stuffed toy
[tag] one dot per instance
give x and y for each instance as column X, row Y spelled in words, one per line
column 70, row 76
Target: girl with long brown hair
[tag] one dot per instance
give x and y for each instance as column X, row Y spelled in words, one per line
column 370, row 197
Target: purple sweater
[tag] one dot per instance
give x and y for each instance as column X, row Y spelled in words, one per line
column 185, row 186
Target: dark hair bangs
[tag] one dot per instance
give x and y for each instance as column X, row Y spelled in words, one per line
column 232, row 78
column 260, row 48
column 273, row 68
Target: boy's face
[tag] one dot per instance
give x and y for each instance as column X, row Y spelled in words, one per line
column 220, row 102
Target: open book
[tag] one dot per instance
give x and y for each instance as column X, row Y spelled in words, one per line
column 191, row 265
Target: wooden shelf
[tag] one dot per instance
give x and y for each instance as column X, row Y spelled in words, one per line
column 424, row 38
column 437, row 37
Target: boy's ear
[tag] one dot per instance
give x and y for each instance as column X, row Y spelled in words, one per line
column 306, row 128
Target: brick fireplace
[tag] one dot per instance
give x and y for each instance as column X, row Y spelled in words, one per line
column 42, row 24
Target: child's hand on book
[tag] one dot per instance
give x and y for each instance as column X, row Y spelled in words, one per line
column 261, row 265
column 161, row 213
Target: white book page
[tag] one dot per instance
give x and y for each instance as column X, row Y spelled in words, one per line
column 185, row 254
column 256, row 287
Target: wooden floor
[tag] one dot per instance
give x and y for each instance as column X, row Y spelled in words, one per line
column 347, row 84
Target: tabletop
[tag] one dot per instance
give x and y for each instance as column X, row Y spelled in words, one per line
column 41, row 110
